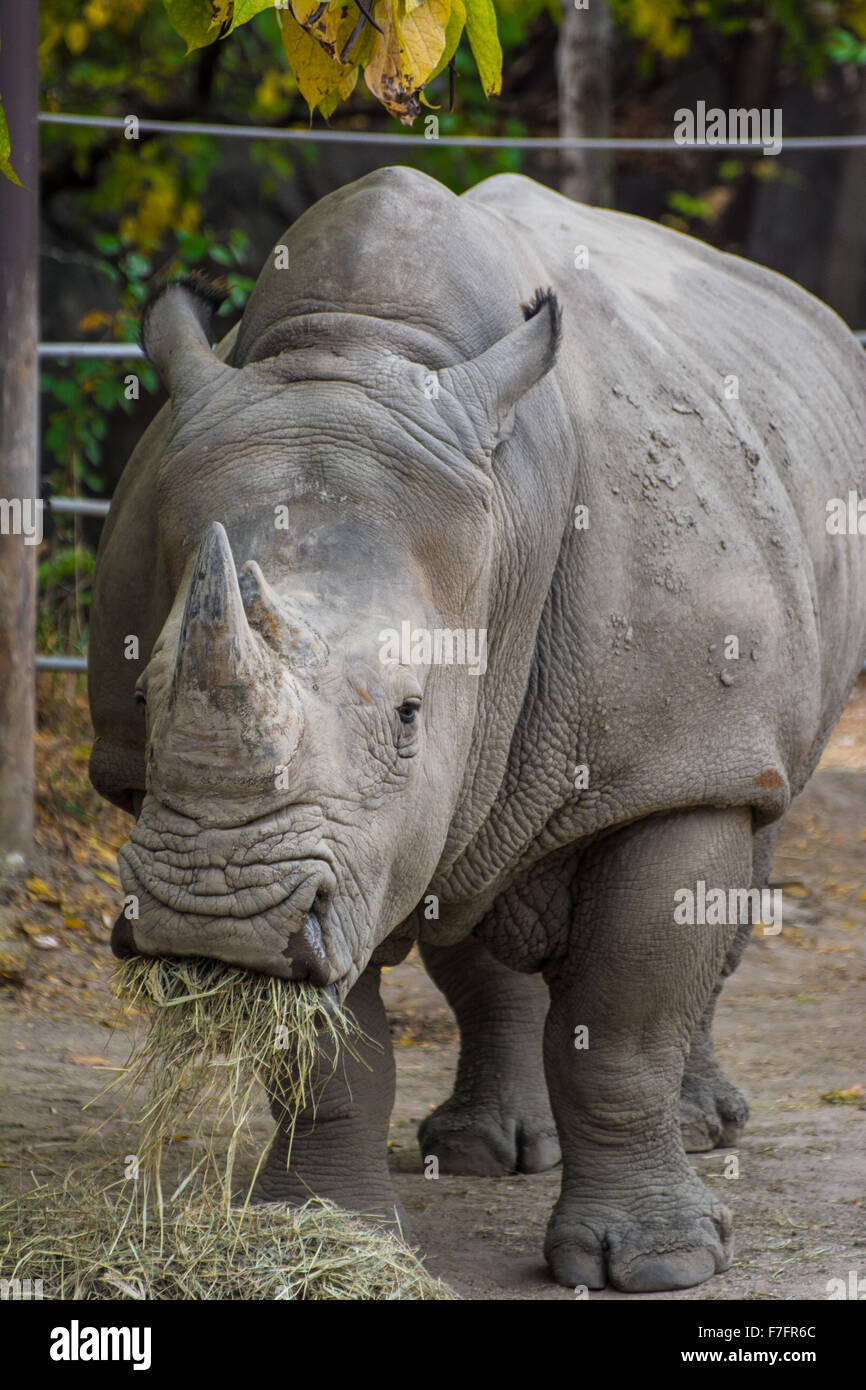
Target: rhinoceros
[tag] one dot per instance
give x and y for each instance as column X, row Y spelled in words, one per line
column 485, row 595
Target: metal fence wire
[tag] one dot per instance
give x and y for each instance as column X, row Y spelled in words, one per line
column 96, row 507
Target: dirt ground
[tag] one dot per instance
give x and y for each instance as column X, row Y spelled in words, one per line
column 790, row 1032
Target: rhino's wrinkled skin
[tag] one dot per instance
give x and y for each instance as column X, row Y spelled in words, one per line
column 392, row 438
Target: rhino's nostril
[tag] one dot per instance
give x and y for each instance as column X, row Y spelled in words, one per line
column 320, row 903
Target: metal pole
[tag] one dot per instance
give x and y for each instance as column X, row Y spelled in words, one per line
column 19, row 483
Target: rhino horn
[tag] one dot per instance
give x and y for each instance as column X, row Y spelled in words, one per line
column 216, row 647
column 175, row 336
column 288, row 634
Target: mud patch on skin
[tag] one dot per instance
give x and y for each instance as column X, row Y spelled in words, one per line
column 769, row 778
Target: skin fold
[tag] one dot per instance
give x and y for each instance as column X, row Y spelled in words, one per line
column 608, row 448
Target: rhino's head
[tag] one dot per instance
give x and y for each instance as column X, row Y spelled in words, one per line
column 319, row 511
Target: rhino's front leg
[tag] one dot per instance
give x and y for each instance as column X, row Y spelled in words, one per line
column 340, row 1144
column 632, row 1212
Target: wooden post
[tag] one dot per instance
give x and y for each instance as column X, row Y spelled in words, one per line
column 19, row 482
column 583, row 64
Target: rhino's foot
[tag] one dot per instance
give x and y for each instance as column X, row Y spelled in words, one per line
column 713, row 1112
column 466, row 1138
column 681, row 1239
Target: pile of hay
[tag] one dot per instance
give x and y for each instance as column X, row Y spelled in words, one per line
column 87, row 1242
column 215, row 1033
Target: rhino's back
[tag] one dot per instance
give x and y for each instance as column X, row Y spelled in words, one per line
column 707, row 510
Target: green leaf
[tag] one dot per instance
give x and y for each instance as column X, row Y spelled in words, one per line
column 245, row 10
column 106, row 396
column 688, row 206
column 92, row 450
column 192, row 244
column 453, row 33
column 200, row 22
column 106, row 243
column 135, row 266
column 484, row 42
column 6, row 150
column 65, row 390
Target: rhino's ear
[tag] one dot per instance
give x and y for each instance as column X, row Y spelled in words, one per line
column 490, row 385
column 175, row 334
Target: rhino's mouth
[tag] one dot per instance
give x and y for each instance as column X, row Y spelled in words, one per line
column 234, row 895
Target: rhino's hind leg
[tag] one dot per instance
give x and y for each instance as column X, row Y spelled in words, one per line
column 713, row 1111
column 625, row 1000
column 498, row 1119
column 340, row 1143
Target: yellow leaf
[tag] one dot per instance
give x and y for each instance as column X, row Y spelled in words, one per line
column 316, row 72
column 347, row 86
column 190, row 216
column 107, row 855
column 74, row 923
column 97, row 318
column 796, row 890
column 330, row 103
column 333, row 30
column 97, row 13
column 5, row 150
column 40, row 891
column 108, row 878
column 76, row 35
column 303, row 10
column 405, row 55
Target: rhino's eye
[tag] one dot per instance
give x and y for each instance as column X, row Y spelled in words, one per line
column 140, row 697
column 408, row 710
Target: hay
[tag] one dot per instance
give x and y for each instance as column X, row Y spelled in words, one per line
column 215, row 1032
column 87, row 1242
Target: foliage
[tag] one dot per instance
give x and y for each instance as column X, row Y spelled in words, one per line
column 812, row 32
column 399, row 45
column 6, row 150
column 81, row 395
